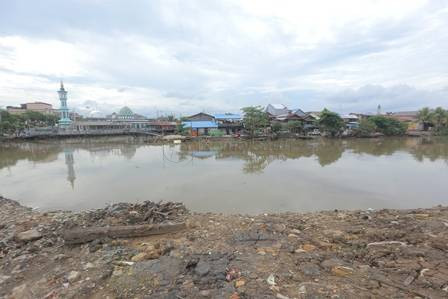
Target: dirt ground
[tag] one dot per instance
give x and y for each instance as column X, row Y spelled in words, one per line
column 332, row 254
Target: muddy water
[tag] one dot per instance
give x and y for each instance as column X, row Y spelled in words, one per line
column 229, row 177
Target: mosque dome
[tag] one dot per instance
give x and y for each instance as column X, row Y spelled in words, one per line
column 125, row 111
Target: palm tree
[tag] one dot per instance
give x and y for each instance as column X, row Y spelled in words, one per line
column 424, row 116
column 439, row 117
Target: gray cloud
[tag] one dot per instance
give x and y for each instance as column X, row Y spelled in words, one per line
column 185, row 56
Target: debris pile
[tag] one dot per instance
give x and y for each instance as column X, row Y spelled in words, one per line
column 337, row 254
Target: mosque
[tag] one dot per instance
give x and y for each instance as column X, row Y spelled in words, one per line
column 124, row 120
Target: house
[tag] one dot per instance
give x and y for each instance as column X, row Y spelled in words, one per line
column 200, row 127
column 200, row 117
column 229, row 123
column 202, row 123
column 351, row 121
column 274, row 110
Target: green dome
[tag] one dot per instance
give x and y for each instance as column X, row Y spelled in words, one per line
column 125, row 111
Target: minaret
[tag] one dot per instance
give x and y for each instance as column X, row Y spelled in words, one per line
column 378, row 110
column 70, row 161
column 64, row 121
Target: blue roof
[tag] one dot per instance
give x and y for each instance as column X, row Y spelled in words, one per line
column 199, row 124
column 227, row 116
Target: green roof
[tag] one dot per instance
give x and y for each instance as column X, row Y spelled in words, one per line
column 125, row 111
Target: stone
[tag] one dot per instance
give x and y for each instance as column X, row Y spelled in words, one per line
column 88, row 266
column 239, row 283
column 310, row 269
column 20, row 291
column 296, row 231
column 202, row 268
column 139, row 257
column 73, row 276
column 279, row 227
column 280, row 296
column 330, row 263
column 4, row 278
column 308, row 247
column 205, row 293
column 341, row 270
column 28, row 236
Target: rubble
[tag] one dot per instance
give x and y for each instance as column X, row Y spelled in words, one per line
column 392, row 253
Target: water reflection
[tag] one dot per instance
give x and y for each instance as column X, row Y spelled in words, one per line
column 231, row 176
column 258, row 155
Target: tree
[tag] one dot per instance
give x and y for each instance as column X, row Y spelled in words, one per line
column 331, row 123
column 295, row 126
column 254, row 119
column 424, row 116
column 366, row 128
column 439, row 118
column 388, row 126
column 180, row 129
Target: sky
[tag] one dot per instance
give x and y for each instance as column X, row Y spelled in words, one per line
column 180, row 57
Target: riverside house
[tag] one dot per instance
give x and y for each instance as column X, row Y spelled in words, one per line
column 203, row 123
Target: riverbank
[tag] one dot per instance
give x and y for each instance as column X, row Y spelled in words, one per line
column 345, row 254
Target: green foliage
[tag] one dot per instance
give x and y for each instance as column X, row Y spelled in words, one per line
column 331, row 123
column 295, row 126
column 254, row 119
column 388, row 126
column 439, row 118
column 276, row 127
column 366, row 128
column 216, row 133
column 180, row 129
column 10, row 123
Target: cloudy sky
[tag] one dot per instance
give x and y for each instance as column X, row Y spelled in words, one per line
column 181, row 57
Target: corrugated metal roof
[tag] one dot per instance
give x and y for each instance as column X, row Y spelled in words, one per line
column 199, row 124
column 227, row 116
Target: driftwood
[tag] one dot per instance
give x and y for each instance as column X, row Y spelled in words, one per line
column 84, row 235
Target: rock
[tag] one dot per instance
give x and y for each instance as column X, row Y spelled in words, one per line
column 4, row 278
column 296, row 231
column 271, row 280
column 279, row 227
column 330, row 263
column 308, row 247
column 89, row 266
column 202, row 268
column 235, row 296
column 310, row 269
column 239, row 283
column 20, row 291
column 293, row 236
column 280, row 296
column 146, row 255
column 73, row 276
column 205, row 293
column 421, row 216
column 139, row 257
column 341, row 270
column 28, row 236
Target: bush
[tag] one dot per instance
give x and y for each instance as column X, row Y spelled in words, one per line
column 388, row 126
column 295, row 126
column 216, row 133
column 366, row 128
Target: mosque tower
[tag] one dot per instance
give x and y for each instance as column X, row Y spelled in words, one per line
column 64, row 120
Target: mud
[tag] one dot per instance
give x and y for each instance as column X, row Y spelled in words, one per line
column 331, row 254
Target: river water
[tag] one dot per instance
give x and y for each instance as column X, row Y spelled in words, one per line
column 229, row 177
